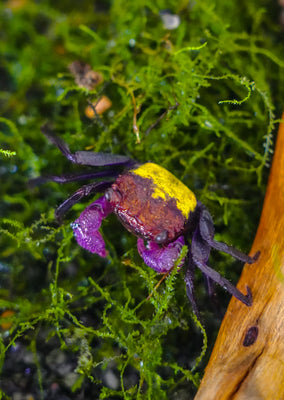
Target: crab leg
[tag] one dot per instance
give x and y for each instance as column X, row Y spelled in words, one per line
column 84, row 191
column 85, row 157
column 72, row 177
column 200, row 251
column 206, row 228
column 189, row 282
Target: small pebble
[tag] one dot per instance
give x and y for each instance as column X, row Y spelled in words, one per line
column 170, row 21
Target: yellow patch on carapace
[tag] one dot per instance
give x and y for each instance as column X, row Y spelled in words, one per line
column 168, row 186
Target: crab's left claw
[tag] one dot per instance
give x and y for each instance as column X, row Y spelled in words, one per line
column 86, row 227
column 160, row 259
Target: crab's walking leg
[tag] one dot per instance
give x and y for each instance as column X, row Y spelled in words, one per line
column 85, row 157
column 206, row 228
column 189, row 281
column 200, row 251
column 73, row 177
column 84, row 191
column 160, row 259
column 86, row 227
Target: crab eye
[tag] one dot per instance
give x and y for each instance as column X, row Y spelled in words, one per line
column 108, row 194
column 113, row 195
column 161, row 237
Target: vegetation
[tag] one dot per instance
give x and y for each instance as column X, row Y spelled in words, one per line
column 202, row 100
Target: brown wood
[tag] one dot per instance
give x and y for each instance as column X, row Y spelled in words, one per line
column 247, row 361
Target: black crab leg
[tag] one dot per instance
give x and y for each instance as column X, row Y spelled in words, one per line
column 234, row 252
column 86, row 157
column 210, row 284
column 66, row 178
column 215, row 303
column 189, row 282
column 216, row 277
column 84, row 191
column 206, row 227
column 200, row 250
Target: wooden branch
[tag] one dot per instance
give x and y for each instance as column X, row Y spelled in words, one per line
column 247, row 361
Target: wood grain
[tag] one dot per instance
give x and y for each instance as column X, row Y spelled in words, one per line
column 247, row 361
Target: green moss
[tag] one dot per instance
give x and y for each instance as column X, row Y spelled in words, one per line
column 202, row 100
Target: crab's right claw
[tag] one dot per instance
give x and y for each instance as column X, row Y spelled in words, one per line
column 161, row 259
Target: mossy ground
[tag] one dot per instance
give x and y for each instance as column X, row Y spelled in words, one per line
column 203, row 100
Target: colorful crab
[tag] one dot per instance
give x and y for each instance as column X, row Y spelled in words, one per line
column 152, row 204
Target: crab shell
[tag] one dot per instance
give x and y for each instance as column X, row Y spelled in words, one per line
column 151, row 203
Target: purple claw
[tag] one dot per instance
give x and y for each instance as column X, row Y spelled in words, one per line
column 86, row 227
column 160, row 259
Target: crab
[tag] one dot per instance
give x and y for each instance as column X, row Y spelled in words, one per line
column 155, row 206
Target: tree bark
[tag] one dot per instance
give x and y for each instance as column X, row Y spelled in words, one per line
column 247, row 361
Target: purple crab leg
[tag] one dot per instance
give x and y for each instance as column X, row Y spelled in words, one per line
column 84, row 191
column 160, row 259
column 86, row 227
column 86, row 157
